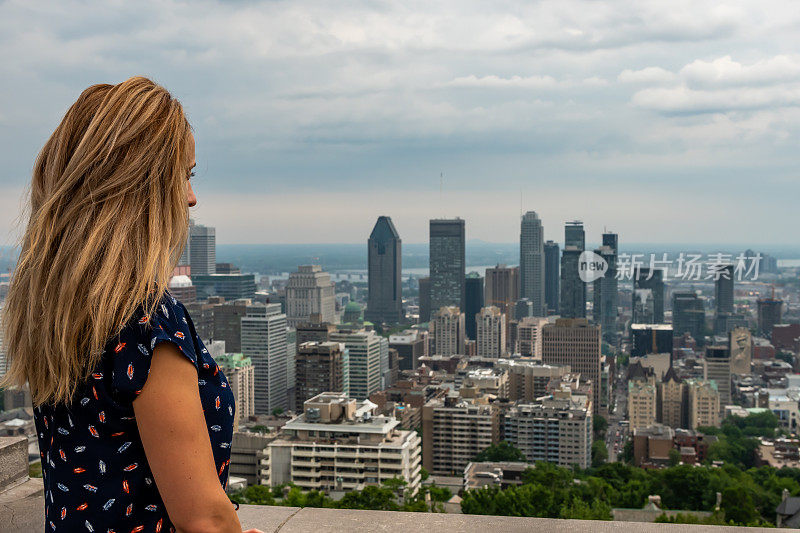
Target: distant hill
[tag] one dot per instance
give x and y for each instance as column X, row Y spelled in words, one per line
column 272, row 258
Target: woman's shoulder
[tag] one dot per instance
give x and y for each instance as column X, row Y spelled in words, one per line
column 129, row 354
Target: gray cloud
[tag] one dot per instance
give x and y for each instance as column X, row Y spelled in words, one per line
column 314, row 103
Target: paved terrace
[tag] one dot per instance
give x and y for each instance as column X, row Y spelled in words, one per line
column 22, row 510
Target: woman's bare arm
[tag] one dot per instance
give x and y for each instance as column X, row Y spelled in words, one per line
column 175, row 438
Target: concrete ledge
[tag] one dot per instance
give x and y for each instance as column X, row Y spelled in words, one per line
column 293, row 520
column 22, row 507
column 26, row 513
column 13, row 461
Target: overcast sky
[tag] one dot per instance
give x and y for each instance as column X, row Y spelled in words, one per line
column 666, row 121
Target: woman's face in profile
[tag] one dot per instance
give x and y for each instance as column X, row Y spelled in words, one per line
column 192, row 199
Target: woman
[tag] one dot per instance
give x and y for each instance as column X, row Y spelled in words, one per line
column 134, row 417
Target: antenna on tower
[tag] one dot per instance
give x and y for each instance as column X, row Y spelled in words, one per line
column 520, row 202
column 441, row 188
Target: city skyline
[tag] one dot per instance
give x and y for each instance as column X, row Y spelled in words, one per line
column 618, row 113
column 521, row 259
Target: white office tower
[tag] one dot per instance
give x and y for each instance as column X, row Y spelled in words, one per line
column 364, row 348
column 310, row 291
column 491, row 328
column 448, row 331
column 531, row 262
column 202, row 249
column 264, row 342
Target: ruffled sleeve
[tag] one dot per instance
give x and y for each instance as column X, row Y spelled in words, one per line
column 132, row 353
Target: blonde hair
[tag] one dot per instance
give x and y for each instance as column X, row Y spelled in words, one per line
column 108, row 222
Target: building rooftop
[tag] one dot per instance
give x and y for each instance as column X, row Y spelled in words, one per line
column 657, row 327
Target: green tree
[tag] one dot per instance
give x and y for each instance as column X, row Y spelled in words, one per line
column 627, row 451
column 686, row 518
column 259, row 495
column 578, row 509
column 440, row 494
column 599, row 427
column 504, row 451
column 738, row 505
column 371, row 497
column 674, row 457
column 599, row 453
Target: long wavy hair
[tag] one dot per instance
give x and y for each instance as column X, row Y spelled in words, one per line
column 108, row 221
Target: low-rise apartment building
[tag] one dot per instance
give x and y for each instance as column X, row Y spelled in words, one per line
column 340, row 444
column 454, row 431
column 556, row 429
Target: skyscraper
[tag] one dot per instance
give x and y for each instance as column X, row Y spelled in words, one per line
column 723, row 290
column 264, row 342
column 385, row 301
column 448, row 331
column 447, row 263
column 502, row 288
column 576, row 343
column 552, row 262
column 364, row 352
column 474, row 302
column 531, row 262
column 573, row 289
column 769, row 314
column 648, row 293
column 529, row 336
column 718, row 369
column 321, row 367
column 688, row 315
column 202, row 249
column 424, row 300
column 491, row 337
column 605, row 289
column 310, row 291
column 227, row 320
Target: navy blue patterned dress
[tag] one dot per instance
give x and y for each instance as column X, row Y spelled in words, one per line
column 96, row 475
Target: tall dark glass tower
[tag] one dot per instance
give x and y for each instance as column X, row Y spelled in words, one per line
column 424, row 300
column 474, row 303
column 384, row 299
column 552, row 261
column 447, row 263
column 688, row 315
column 606, row 289
column 573, row 289
column 648, row 284
column 723, row 293
column 531, row 261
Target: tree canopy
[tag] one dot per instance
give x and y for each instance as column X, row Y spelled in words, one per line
column 502, row 452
